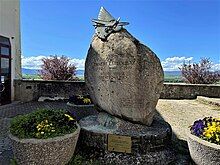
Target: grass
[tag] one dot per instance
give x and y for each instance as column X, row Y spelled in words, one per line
column 172, row 79
column 75, row 160
column 30, row 76
column 79, row 160
column 167, row 78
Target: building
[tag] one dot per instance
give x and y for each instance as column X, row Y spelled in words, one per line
column 10, row 48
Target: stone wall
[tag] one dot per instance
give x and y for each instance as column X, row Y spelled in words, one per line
column 28, row 90
column 189, row 91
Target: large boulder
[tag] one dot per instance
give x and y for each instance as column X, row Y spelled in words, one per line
column 124, row 77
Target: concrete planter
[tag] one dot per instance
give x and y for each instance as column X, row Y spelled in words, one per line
column 203, row 152
column 52, row 151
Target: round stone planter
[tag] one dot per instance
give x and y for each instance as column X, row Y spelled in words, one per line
column 52, row 151
column 203, row 152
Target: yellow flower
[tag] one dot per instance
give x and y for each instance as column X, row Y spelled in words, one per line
column 42, row 133
column 87, row 101
column 217, row 138
column 208, row 135
column 69, row 117
column 80, row 97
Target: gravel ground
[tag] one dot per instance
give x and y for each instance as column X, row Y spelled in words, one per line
column 182, row 113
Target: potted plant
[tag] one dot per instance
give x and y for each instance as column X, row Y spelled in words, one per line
column 204, row 141
column 44, row 137
column 80, row 101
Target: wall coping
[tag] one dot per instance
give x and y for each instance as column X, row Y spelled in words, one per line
column 28, row 90
column 49, row 81
column 186, row 84
column 64, row 81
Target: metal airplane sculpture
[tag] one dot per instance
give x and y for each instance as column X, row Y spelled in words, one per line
column 106, row 24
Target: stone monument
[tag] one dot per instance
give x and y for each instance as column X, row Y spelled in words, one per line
column 124, row 78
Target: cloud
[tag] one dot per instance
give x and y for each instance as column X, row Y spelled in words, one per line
column 79, row 63
column 169, row 64
column 216, row 67
column 34, row 62
column 173, row 63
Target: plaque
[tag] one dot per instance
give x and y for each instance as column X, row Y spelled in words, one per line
column 119, row 143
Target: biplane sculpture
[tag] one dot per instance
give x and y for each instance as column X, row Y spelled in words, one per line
column 106, row 24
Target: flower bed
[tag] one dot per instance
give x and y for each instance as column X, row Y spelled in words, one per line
column 203, row 141
column 80, row 100
column 207, row 129
column 44, row 137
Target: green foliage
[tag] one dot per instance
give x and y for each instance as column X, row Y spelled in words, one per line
column 13, row 161
column 172, row 78
column 76, row 160
column 43, row 124
column 79, row 160
column 30, row 76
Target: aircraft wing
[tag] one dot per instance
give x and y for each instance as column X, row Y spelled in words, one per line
column 103, row 23
column 123, row 23
column 99, row 21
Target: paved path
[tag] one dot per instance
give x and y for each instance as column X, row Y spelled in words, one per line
column 179, row 113
column 8, row 111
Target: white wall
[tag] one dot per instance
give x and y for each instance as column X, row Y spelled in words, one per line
column 10, row 27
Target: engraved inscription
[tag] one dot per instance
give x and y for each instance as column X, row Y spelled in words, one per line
column 116, row 60
column 119, row 143
column 115, row 67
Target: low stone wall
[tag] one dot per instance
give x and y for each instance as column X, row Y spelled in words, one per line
column 29, row 90
column 189, row 91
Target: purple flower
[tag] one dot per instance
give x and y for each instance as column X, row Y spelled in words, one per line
column 198, row 127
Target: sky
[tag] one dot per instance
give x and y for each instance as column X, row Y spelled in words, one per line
column 176, row 30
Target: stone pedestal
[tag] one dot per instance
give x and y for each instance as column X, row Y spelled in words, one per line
column 149, row 145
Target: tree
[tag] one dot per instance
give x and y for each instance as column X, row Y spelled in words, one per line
column 57, row 68
column 200, row 73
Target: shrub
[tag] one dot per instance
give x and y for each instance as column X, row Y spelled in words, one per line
column 207, row 129
column 43, row 124
column 57, row 68
column 200, row 73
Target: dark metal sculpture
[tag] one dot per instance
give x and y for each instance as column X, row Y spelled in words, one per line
column 106, row 24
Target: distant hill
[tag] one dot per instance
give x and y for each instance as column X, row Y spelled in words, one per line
column 35, row 72
column 29, row 71
column 172, row 73
column 80, row 72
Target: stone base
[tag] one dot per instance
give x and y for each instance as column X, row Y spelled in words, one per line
column 150, row 145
